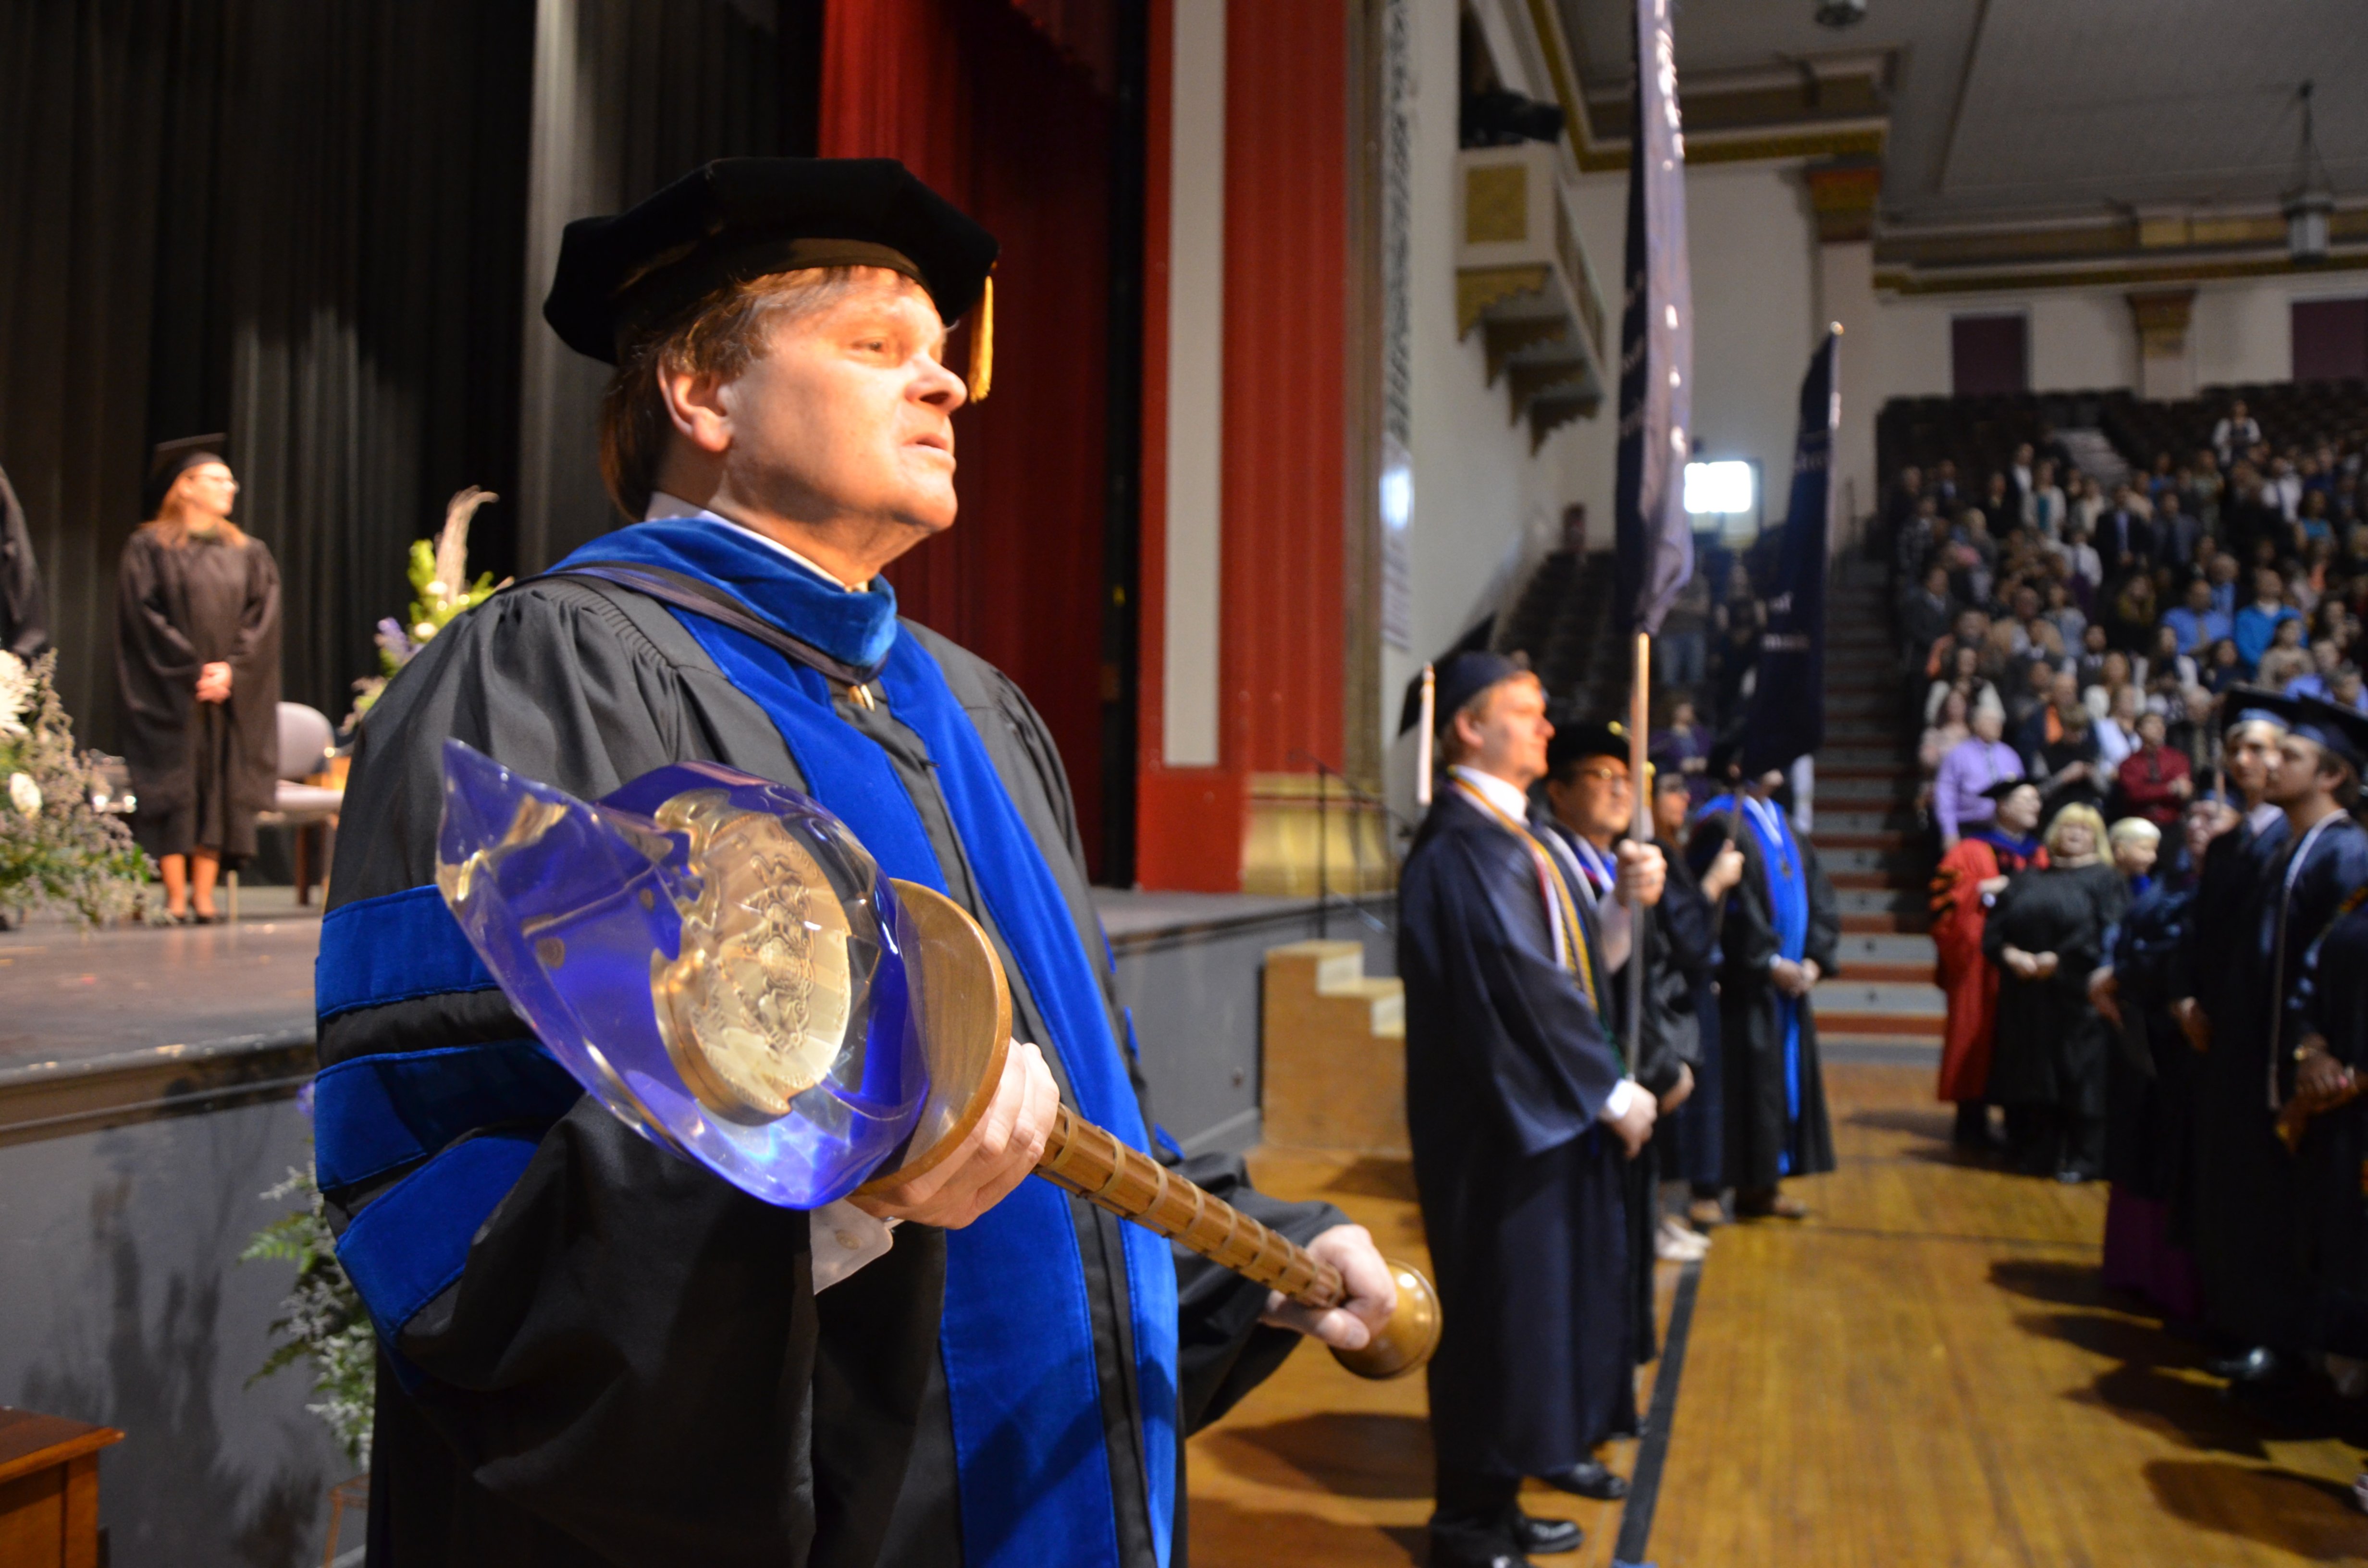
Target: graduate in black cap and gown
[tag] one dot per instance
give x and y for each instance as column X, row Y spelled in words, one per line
column 2216, row 1214
column 1590, row 809
column 2257, row 1288
column 198, row 661
column 1523, row 1116
column 1687, row 917
column 596, row 1352
column 1778, row 937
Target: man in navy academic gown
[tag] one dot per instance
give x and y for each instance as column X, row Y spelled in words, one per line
column 596, row 1352
column 2250, row 1243
column 1523, row 1114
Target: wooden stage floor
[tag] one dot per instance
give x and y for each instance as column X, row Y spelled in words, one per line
column 1926, row 1372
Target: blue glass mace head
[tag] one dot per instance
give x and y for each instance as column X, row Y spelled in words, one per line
column 712, row 956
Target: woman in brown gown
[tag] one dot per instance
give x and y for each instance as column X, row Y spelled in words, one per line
column 197, row 655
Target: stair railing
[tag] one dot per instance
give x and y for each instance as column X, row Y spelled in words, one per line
column 1325, row 775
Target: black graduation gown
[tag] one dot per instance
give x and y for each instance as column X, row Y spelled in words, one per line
column 1760, row 1128
column 1523, row 1192
column 2149, row 1100
column 2052, row 1045
column 634, row 1369
column 1687, row 931
column 2248, row 1230
column 2333, row 1151
column 24, row 615
column 201, row 770
column 1657, row 1053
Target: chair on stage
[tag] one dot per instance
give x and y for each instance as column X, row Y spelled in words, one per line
column 310, row 793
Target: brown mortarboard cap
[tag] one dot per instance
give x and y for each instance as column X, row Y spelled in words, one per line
column 173, row 458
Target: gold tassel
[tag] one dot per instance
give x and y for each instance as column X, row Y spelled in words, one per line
column 981, row 345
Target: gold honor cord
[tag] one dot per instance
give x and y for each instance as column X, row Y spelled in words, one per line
column 1573, row 955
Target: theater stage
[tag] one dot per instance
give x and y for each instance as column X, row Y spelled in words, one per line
column 1926, row 1372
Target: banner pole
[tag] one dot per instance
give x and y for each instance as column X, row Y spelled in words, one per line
column 1639, row 828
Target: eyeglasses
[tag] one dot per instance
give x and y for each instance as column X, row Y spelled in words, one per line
column 1615, row 775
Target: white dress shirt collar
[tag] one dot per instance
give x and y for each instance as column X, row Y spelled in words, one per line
column 663, row 505
column 1500, row 793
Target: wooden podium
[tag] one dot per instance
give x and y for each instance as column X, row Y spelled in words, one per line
column 49, row 1490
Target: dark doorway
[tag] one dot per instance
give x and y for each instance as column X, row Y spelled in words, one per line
column 2330, row 339
column 1988, row 355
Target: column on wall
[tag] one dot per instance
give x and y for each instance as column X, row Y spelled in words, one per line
column 1843, row 193
column 2166, row 364
column 1245, row 435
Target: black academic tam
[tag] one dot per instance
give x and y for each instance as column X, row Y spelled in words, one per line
column 738, row 219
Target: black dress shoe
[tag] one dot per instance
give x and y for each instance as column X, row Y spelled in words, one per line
column 1546, row 1537
column 1589, row 1477
column 2257, row 1364
column 1458, row 1550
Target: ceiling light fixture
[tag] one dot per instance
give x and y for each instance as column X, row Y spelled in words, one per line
column 1840, row 13
column 2311, row 203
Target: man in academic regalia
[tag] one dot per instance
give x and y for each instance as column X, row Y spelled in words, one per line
column 1965, row 886
column 1779, row 937
column 2248, row 1243
column 1687, row 915
column 604, row 1353
column 1523, row 1116
column 24, row 615
column 1589, row 810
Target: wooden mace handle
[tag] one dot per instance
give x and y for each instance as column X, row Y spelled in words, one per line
column 1088, row 1161
column 962, row 1004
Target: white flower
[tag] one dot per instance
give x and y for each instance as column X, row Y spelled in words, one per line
column 16, row 696
column 23, row 794
column 422, row 632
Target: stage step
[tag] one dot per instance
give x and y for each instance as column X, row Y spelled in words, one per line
column 1334, row 1057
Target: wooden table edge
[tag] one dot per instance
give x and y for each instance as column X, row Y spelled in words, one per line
column 74, row 1448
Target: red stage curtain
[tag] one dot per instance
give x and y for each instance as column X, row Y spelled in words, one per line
column 983, row 107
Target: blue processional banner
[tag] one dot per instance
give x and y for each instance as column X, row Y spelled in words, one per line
column 1655, row 538
column 1788, row 702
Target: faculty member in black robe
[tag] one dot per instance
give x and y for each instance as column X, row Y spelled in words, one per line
column 1779, row 933
column 2046, row 934
column 630, row 1362
column 198, row 660
column 1523, row 1116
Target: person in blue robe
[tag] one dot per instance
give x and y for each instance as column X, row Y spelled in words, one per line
column 594, row 1351
column 1779, row 933
column 1524, row 1117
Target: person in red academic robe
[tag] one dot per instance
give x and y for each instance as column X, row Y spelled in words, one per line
column 1970, row 878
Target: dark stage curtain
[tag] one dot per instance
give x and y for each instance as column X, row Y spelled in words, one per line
column 980, row 104
column 299, row 222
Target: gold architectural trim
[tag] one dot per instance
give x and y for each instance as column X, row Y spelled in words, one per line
column 1305, row 835
column 1496, row 204
column 1478, row 289
column 2162, row 316
column 1506, row 338
column 2115, row 237
column 1910, row 283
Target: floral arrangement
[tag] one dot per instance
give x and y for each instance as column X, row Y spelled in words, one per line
column 322, row 1317
column 437, row 573
column 58, row 844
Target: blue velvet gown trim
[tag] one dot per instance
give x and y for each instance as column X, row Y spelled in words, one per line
column 1788, row 909
column 1017, row 1338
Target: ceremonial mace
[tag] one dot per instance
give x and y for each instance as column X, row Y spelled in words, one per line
column 719, row 963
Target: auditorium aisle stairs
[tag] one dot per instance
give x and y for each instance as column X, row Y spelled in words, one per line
column 1884, row 1006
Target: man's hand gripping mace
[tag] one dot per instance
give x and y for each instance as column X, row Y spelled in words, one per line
column 967, row 1041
